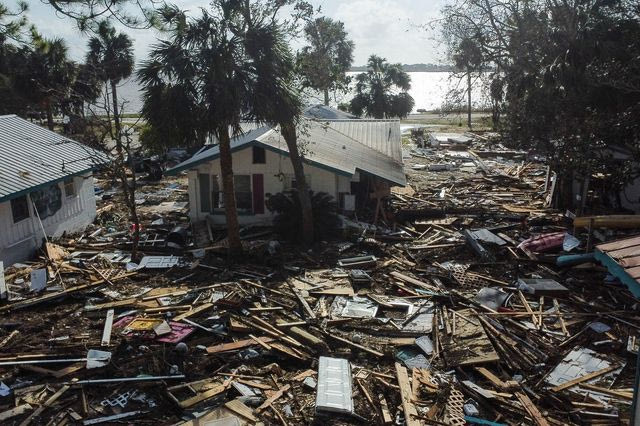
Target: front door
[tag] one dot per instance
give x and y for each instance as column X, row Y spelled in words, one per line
column 258, row 194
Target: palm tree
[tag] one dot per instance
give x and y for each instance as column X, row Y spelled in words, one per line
column 381, row 92
column 279, row 102
column 226, row 61
column 111, row 56
column 47, row 74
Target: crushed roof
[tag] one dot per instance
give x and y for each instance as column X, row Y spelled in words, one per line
column 32, row 156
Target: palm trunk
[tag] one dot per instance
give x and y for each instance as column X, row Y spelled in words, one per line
column 326, row 97
column 226, row 168
column 289, row 133
column 49, row 108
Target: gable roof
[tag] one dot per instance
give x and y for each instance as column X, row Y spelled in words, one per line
column 321, row 145
column 32, row 157
column 382, row 135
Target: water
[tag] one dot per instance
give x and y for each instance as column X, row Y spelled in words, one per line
column 428, row 89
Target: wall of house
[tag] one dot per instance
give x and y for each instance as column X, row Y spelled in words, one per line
column 276, row 171
column 19, row 241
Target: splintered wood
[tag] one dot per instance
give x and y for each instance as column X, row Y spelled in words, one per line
column 469, row 343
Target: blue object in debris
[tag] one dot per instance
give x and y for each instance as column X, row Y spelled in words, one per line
column 478, row 421
column 575, row 259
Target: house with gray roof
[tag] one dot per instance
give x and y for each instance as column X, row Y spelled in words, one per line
column 354, row 160
column 46, row 186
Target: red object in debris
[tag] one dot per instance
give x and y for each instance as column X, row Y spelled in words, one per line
column 543, row 242
column 132, row 228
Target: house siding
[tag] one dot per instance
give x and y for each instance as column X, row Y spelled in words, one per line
column 18, row 241
column 275, row 166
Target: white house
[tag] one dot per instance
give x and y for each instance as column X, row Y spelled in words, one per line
column 350, row 159
column 46, row 186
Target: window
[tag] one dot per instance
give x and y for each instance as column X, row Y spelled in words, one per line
column 69, row 188
column 259, row 155
column 290, row 182
column 242, row 186
column 19, row 209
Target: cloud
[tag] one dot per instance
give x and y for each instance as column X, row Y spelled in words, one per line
column 390, row 28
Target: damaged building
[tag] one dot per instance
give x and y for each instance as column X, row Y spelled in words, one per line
column 353, row 160
column 46, row 186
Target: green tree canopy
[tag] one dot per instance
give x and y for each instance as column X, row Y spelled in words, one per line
column 382, row 91
column 327, row 58
column 565, row 75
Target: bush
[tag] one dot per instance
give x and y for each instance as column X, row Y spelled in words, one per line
column 288, row 221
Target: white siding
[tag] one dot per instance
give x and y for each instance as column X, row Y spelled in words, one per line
column 275, row 165
column 19, row 241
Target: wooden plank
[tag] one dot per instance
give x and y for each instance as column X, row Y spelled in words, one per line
column 53, row 398
column 277, row 394
column 17, row 411
column 584, row 378
column 409, row 409
column 241, row 409
column 194, row 311
column 533, row 411
column 303, row 302
column 224, row 347
column 491, row 377
column 384, row 408
column 106, row 332
column 410, row 280
column 217, row 390
column 611, row 392
column 355, row 345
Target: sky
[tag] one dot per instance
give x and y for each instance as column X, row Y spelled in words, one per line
column 393, row 29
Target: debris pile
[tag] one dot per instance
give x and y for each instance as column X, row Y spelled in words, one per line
column 471, row 303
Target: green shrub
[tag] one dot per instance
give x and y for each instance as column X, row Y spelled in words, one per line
column 288, row 221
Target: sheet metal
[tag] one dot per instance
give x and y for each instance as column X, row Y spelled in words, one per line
column 334, row 386
column 32, row 156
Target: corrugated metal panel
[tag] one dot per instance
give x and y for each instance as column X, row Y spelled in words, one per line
column 334, row 385
column 31, row 156
column 382, row 135
column 323, row 145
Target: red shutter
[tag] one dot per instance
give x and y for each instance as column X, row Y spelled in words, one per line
column 258, row 194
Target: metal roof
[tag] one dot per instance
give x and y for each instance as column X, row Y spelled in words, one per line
column 382, row 135
column 622, row 259
column 321, row 145
column 32, row 156
column 323, row 112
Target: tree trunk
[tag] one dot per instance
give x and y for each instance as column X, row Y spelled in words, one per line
column 469, row 99
column 50, row 123
column 289, row 133
column 226, row 168
column 129, row 190
column 116, row 118
column 326, row 97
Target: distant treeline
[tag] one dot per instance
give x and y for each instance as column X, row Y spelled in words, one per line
column 414, row 68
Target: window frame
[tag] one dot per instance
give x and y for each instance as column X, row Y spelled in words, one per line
column 262, row 155
column 13, row 212
column 70, row 181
